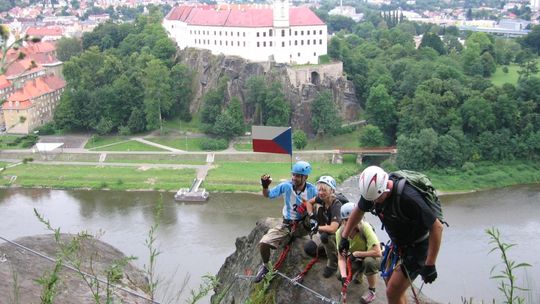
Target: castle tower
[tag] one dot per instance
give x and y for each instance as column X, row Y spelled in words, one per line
column 281, row 13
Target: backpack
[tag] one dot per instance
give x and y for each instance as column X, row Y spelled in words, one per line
column 423, row 184
column 342, row 198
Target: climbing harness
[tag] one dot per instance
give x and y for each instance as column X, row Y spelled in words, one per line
column 347, row 280
column 80, row 271
column 389, row 260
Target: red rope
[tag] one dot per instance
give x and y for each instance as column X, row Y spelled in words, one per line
column 347, row 280
column 287, row 248
column 308, row 266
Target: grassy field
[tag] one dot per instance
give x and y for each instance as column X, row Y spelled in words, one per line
column 349, row 140
column 96, row 177
column 6, row 139
column 130, row 145
column 486, row 176
column 179, row 142
column 242, row 176
column 99, row 141
column 178, row 125
column 243, row 146
column 499, row 77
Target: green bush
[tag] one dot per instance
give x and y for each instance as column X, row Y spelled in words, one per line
column 324, row 59
column 505, row 69
column 124, row 130
column 47, row 129
column 468, row 166
column 211, row 144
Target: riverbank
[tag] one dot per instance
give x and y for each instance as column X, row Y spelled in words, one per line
column 235, row 176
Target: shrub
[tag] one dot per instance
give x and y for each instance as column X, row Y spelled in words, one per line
column 468, row 166
column 47, row 129
column 211, row 144
column 505, row 69
column 124, row 130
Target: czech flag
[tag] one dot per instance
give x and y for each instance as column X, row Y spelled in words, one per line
column 272, row 139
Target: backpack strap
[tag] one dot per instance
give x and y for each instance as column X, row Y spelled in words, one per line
column 396, row 207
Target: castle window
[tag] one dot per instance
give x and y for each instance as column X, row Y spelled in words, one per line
column 214, row 33
column 290, row 31
column 270, row 43
column 215, row 42
column 226, row 43
column 237, row 43
column 314, row 54
column 307, row 41
column 270, row 33
column 220, row 33
column 258, row 44
column 264, row 44
column 296, row 42
column 320, row 32
column 225, row 33
column 302, row 33
column 320, row 41
column 258, row 34
column 283, row 44
column 244, row 33
column 315, row 42
column 282, row 33
column 237, row 34
column 296, row 33
column 301, row 42
column 244, row 43
column 264, row 34
column 307, row 32
column 220, row 42
column 298, row 54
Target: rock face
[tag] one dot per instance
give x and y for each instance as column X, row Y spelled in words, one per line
column 300, row 85
column 236, row 288
column 19, row 270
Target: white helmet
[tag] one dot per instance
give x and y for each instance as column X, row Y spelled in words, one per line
column 346, row 210
column 330, row 181
column 372, row 182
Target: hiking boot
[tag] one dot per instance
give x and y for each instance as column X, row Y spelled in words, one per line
column 368, row 297
column 261, row 273
column 328, row 271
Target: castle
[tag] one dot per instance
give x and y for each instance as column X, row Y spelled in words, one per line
column 258, row 33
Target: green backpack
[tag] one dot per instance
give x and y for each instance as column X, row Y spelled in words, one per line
column 423, row 184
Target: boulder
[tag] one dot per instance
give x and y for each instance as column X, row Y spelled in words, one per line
column 20, row 269
column 236, row 276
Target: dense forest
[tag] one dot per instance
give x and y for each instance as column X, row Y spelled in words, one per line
column 435, row 102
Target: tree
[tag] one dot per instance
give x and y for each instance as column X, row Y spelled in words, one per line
column 477, row 115
column 532, row 40
column 299, row 139
column 157, row 99
column 433, row 41
column 381, row 111
column 256, row 96
column 417, row 151
column 213, row 102
column 67, row 48
column 137, row 121
column 371, row 136
column 276, row 109
column 181, row 91
column 324, row 116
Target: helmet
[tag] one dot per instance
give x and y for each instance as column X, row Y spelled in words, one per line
column 372, row 182
column 301, row 167
column 330, row 181
column 346, row 210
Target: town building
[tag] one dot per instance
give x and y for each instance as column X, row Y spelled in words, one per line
column 535, row 5
column 258, row 33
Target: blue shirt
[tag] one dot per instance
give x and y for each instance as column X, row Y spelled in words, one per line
column 291, row 198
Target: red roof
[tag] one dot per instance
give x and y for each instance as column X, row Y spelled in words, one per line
column 33, row 89
column 239, row 16
column 45, row 31
column 4, row 82
column 22, row 66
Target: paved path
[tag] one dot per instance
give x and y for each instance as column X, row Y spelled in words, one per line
column 147, row 142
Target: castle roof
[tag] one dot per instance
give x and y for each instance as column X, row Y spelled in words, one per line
column 236, row 16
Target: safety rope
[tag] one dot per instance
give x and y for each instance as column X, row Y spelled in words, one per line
column 318, row 295
column 287, row 248
column 416, row 299
column 79, row 271
column 302, row 274
column 347, row 280
column 389, row 260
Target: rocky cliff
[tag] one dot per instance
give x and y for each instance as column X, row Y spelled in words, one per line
column 238, row 269
column 20, row 269
column 301, row 85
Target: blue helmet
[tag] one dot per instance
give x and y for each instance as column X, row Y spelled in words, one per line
column 301, row 167
column 330, row 181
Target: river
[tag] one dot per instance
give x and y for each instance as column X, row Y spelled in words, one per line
column 195, row 239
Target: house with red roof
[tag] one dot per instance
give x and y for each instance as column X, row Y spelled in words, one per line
column 32, row 105
column 258, row 33
column 46, row 33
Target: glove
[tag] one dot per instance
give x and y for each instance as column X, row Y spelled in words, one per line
column 428, row 273
column 344, row 246
column 313, row 225
column 266, row 180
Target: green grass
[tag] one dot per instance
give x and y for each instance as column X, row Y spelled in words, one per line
column 349, row 140
column 98, row 141
column 177, row 125
column 131, row 145
column 486, row 176
column 179, row 142
column 5, row 139
column 243, row 146
column 96, row 177
column 243, row 176
column 499, row 77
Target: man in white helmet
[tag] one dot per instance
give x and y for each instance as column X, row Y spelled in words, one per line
column 415, row 229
